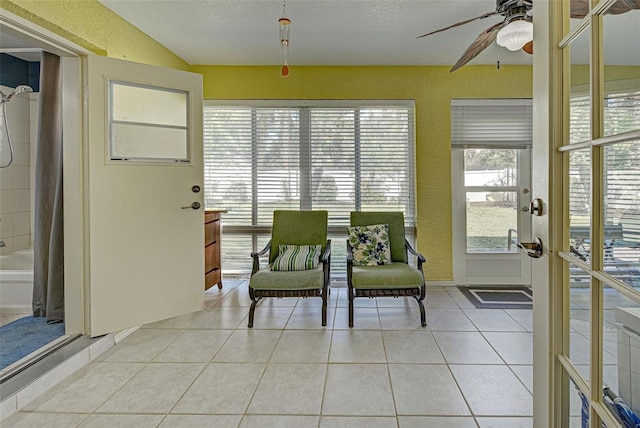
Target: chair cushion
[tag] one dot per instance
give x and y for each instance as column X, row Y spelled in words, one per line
column 298, row 228
column 370, row 245
column 267, row 279
column 297, row 257
column 396, row 275
column 395, row 220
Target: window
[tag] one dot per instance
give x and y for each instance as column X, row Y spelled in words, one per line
column 339, row 157
column 147, row 124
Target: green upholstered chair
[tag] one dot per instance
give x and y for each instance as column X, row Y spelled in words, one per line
column 395, row 279
column 293, row 228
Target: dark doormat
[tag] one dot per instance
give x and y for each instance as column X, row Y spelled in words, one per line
column 498, row 297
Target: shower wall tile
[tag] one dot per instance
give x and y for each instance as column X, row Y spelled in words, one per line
column 20, row 153
column 20, row 176
column 18, row 109
column 8, row 248
column 6, row 178
column 22, row 242
column 6, row 201
column 21, row 200
column 19, row 131
column 17, row 180
column 6, row 226
column 21, row 223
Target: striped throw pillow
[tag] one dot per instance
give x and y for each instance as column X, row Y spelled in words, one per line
column 297, row 257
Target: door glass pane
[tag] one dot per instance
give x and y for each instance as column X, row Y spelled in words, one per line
column 621, row 70
column 140, row 141
column 490, row 167
column 621, row 353
column 492, row 221
column 149, row 105
column 492, row 216
column 580, row 321
column 580, row 203
column 622, row 212
column 579, row 98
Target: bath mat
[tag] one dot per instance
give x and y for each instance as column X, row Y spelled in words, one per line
column 498, row 297
column 25, row 335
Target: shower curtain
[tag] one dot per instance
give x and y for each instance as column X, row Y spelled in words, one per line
column 48, row 245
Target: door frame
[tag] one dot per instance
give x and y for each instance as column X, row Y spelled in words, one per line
column 547, row 184
column 72, row 150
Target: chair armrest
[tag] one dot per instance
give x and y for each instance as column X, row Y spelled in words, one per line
column 410, row 249
column 256, row 257
column 326, row 256
column 349, row 254
column 326, row 266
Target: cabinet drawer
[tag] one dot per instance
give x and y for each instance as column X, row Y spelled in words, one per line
column 211, row 216
column 211, row 257
column 211, row 232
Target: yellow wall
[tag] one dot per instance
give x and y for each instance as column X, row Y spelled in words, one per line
column 432, row 88
column 94, row 27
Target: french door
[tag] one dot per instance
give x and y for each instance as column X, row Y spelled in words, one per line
column 590, row 282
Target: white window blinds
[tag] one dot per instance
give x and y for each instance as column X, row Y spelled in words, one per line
column 491, row 123
column 339, row 157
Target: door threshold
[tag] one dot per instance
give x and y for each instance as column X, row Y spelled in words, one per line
column 34, row 375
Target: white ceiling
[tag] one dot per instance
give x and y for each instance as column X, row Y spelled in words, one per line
column 334, row 32
column 323, row 32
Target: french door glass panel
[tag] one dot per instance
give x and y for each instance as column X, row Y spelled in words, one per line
column 621, row 349
column 580, row 203
column 580, row 319
column 580, row 105
column 622, row 212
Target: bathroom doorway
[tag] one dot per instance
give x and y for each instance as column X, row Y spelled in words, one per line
column 21, row 50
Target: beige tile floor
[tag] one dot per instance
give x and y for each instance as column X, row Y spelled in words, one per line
column 468, row 368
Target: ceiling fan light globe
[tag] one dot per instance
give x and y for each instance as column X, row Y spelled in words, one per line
column 515, row 35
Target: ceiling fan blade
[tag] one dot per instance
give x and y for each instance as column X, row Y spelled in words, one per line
column 623, row 6
column 580, row 8
column 485, row 15
column 484, row 39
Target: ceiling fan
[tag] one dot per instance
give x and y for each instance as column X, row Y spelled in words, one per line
column 518, row 13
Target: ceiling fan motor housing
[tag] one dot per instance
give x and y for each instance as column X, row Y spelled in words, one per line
column 514, row 9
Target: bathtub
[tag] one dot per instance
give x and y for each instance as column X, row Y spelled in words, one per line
column 16, row 281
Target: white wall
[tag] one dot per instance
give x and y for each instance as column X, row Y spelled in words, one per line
column 17, row 181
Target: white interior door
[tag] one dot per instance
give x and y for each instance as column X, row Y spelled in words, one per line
column 144, row 155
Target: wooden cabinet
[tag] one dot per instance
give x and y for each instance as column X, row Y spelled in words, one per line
column 212, row 262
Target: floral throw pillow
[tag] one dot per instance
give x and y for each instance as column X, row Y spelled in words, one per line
column 297, row 257
column 370, row 245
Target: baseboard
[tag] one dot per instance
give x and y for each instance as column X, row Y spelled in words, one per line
column 15, row 309
column 440, row 283
column 122, row 334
